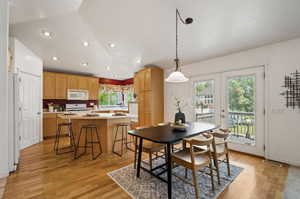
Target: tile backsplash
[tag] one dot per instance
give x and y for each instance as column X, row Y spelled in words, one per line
column 62, row 102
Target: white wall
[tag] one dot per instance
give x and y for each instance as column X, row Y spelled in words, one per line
column 3, row 88
column 24, row 59
column 282, row 128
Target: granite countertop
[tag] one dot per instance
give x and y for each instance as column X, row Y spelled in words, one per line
column 99, row 116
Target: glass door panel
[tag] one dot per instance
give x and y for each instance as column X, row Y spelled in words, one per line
column 241, row 109
column 204, row 101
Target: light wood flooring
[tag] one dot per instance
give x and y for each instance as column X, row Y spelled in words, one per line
column 42, row 174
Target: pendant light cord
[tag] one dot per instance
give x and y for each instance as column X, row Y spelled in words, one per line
column 184, row 22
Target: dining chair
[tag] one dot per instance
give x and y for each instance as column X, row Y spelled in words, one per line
column 151, row 148
column 193, row 159
column 219, row 150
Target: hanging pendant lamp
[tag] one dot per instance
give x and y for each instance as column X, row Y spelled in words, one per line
column 177, row 76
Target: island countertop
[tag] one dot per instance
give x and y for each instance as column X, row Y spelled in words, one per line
column 105, row 122
column 99, row 116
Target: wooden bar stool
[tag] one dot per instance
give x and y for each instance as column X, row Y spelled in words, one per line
column 89, row 129
column 71, row 147
column 124, row 138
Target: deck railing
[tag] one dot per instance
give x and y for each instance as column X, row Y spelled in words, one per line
column 241, row 124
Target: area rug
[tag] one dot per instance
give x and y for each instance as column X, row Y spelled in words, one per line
column 292, row 186
column 148, row 187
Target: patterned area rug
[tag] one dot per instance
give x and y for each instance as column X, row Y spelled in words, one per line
column 292, row 186
column 148, row 187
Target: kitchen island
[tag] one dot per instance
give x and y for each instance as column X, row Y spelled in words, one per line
column 105, row 122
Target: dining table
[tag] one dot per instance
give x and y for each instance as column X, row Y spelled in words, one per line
column 168, row 135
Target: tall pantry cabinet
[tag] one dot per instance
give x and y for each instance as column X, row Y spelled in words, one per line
column 149, row 89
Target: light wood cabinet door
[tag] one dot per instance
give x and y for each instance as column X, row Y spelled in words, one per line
column 141, row 77
column 49, row 125
column 147, row 101
column 61, row 81
column 93, row 88
column 148, row 119
column 49, row 85
column 147, row 79
column 73, row 82
column 136, row 84
column 83, row 83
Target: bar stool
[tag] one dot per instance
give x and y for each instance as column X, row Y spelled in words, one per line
column 72, row 146
column 84, row 129
column 124, row 141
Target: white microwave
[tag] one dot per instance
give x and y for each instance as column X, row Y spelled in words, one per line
column 74, row 94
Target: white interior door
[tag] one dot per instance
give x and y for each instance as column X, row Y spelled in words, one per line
column 234, row 100
column 242, row 109
column 30, row 95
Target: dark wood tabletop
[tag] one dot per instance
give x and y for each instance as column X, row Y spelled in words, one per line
column 167, row 135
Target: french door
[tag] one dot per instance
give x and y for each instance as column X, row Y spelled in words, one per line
column 234, row 100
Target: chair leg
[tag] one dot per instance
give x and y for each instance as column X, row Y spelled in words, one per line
column 215, row 159
column 78, row 142
column 58, row 138
column 186, row 172
column 135, row 152
column 150, row 161
column 86, row 140
column 92, row 142
column 228, row 164
column 195, row 183
column 98, row 137
column 99, row 142
column 116, row 136
column 122, row 141
column 212, row 176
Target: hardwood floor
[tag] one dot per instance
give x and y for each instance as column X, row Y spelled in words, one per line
column 42, row 174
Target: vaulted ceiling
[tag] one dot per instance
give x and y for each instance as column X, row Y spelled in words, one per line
column 144, row 30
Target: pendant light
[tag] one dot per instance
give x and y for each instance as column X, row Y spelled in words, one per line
column 177, row 76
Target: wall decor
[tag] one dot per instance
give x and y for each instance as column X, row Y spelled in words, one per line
column 292, row 90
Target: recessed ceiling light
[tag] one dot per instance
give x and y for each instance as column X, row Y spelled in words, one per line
column 85, row 43
column 107, row 68
column 138, row 61
column 54, row 58
column 85, row 64
column 112, row 45
column 46, row 33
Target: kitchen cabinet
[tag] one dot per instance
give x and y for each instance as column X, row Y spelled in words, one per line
column 149, row 88
column 49, row 125
column 83, row 83
column 73, row 82
column 61, row 81
column 93, row 85
column 49, row 85
column 56, row 85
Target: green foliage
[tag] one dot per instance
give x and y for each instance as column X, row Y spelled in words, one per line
column 110, row 98
column 241, row 94
column 200, row 87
